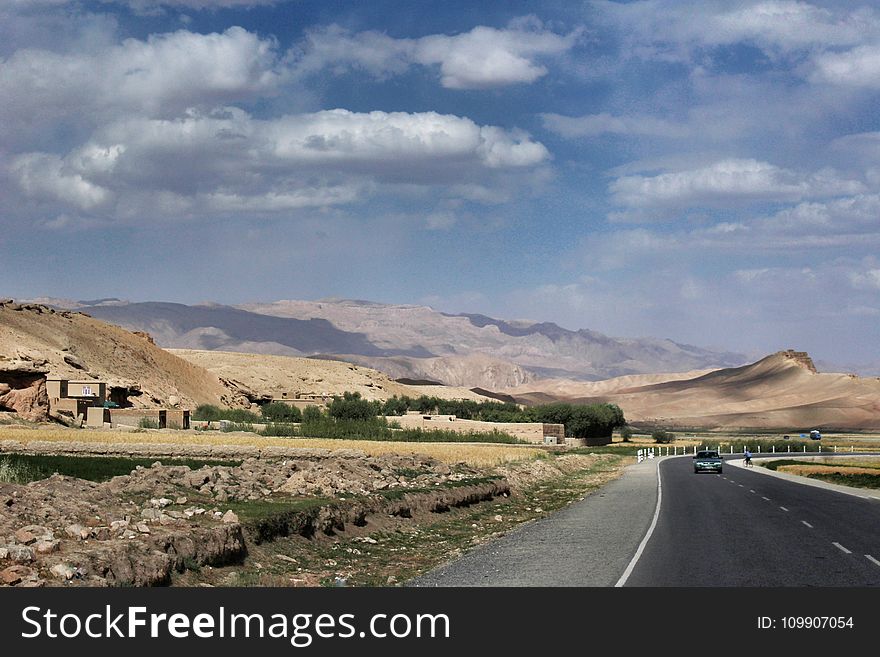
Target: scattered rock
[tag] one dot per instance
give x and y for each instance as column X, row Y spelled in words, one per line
column 229, row 517
column 25, row 537
column 366, row 539
column 20, row 554
column 47, row 547
column 499, row 518
column 74, row 531
column 13, row 575
column 63, row 571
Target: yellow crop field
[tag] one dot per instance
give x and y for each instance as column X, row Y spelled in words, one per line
column 184, row 444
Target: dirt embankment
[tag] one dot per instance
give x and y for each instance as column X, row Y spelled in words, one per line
column 142, row 528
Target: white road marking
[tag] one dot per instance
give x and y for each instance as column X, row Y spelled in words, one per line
column 751, row 491
column 635, row 559
column 872, row 560
column 841, row 548
column 807, row 524
column 783, row 508
column 740, row 485
column 765, row 498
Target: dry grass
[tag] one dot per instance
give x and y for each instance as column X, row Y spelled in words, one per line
column 478, row 455
column 807, row 470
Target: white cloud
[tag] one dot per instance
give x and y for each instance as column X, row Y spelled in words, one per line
column 869, row 279
column 859, row 67
column 667, row 30
column 230, row 162
column 161, row 76
column 41, row 175
column 839, row 215
column 484, row 57
column 731, row 181
column 593, row 125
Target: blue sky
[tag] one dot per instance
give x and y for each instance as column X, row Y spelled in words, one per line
column 705, row 171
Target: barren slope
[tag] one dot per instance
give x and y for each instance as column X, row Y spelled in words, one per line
column 780, row 391
column 271, row 376
column 74, row 346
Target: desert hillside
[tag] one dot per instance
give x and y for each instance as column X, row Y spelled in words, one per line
column 782, row 391
column 270, row 376
column 38, row 342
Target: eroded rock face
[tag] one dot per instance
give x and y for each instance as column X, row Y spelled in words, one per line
column 25, row 394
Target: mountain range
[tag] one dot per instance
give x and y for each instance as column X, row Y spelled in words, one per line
column 405, row 341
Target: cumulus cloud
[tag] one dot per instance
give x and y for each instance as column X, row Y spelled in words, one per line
column 730, row 181
column 484, row 57
column 228, row 161
column 593, row 125
column 160, row 76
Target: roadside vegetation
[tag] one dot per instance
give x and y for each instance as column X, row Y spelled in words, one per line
column 856, row 473
column 24, row 468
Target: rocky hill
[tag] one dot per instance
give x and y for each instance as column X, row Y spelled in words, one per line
column 406, row 341
column 37, row 341
column 781, row 391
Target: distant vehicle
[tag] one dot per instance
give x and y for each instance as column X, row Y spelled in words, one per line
column 786, row 437
column 708, row 460
column 815, row 435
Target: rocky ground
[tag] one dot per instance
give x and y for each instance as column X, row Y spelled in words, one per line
column 142, row 528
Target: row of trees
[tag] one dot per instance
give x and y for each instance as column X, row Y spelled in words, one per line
column 580, row 420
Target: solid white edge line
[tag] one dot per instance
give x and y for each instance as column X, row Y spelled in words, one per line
column 840, row 547
column 641, row 548
column 872, row 560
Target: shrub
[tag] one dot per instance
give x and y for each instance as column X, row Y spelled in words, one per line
column 311, row 414
column 215, row 413
column 662, row 436
column 626, row 433
column 280, row 429
column 281, row 412
column 147, row 423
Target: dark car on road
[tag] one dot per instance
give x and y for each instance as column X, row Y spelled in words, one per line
column 708, row 460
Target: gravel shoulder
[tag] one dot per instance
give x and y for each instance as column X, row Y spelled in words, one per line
column 589, row 543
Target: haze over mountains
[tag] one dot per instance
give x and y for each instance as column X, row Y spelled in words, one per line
column 406, row 341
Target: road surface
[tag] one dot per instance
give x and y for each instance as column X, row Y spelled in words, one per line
column 745, row 528
column 740, row 528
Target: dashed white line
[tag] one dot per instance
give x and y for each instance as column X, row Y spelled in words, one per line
column 807, row 524
column 783, row 508
column 765, row 498
column 740, row 485
column 872, row 560
column 841, row 548
column 751, row 491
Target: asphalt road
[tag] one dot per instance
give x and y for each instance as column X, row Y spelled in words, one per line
column 744, row 528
